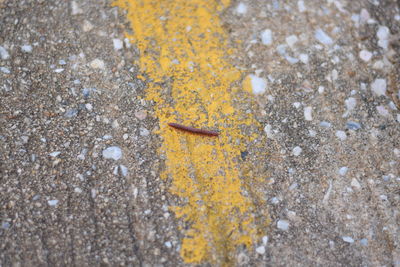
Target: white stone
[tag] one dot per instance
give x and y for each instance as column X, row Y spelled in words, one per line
column 291, row 60
column 341, row 135
column 87, row 26
column 118, row 44
column 54, row 154
column 124, row 170
column 112, row 152
column 241, row 8
column 291, row 40
column 365, row 55
column 308, row 113
column 77, row 190
column 303, row 58
column 266, row 37
column 301, row 6
column 379, row 87
column 297, row 151
column 296, row 104
column 258, row 85
column 260, row 250
column 52, row 202
column 348, row 239
column 75, row 8
column 355, row 183
column 383, row 33
column 268, row 130
column 382, row 111
column 58, row 70
column 89, row 106
column 97, row 64
column 322, row 37
column 350, row 103
column 321, row 89
column 168, row 244
column 5, row 70
column 343, row 171
column 26, row 48
column 283, row 225
column 312, row 133
column 3, row 53
column 265, row 240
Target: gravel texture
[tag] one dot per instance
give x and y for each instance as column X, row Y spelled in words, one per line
column 79, row 169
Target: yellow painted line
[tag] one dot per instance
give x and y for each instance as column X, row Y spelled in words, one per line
column 183, row 55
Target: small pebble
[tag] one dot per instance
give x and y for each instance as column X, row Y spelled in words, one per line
column 351, row 125
column 26, row 48
column 303, row 58
column 5, row 225
column 97, row 64
column 260, row 250
column 258, row 85
column 3, row 53
column 283, row 225
column 107, row 137
column 365, row 55
column 266, row 37
column 168, row 244
column 77, row 190
column 296, row 104
column 348, row 239
column 383, row 35
column 58, row 70
column 141, row 114
column 341, row 135
column 118, row 44
column 291, row 60
column 89, row 106
column 322, row 37
column 143, row 131
column 54, row 154
column 350, row 103
column 87, row 26
column 71, row 113
column 274, row 200
column 379, row 87
column 265, row 240
column 355, row 183
column 312, row 133
column 308, row 113
column 124, row 170
column 364, row 242
column 321, row 89
column 291, row 40
column 382, row 111
column 268, row 130
column 297, row 151
column 112, row 152
column 343, row 171
column 75, row 8
column 241, row 8
column 5, row 70
column 300, row 5
column 325, row 124
column 52, row 202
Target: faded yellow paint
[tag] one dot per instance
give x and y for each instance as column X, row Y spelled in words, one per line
column 183, row 50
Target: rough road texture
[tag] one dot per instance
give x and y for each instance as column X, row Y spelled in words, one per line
column 67, row 92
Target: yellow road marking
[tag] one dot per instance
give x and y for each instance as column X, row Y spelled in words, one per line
column 183, row 50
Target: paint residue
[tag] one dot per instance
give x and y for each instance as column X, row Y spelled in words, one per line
column 183, row 50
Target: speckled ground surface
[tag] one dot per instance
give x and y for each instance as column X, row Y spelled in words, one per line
column 69, row 90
